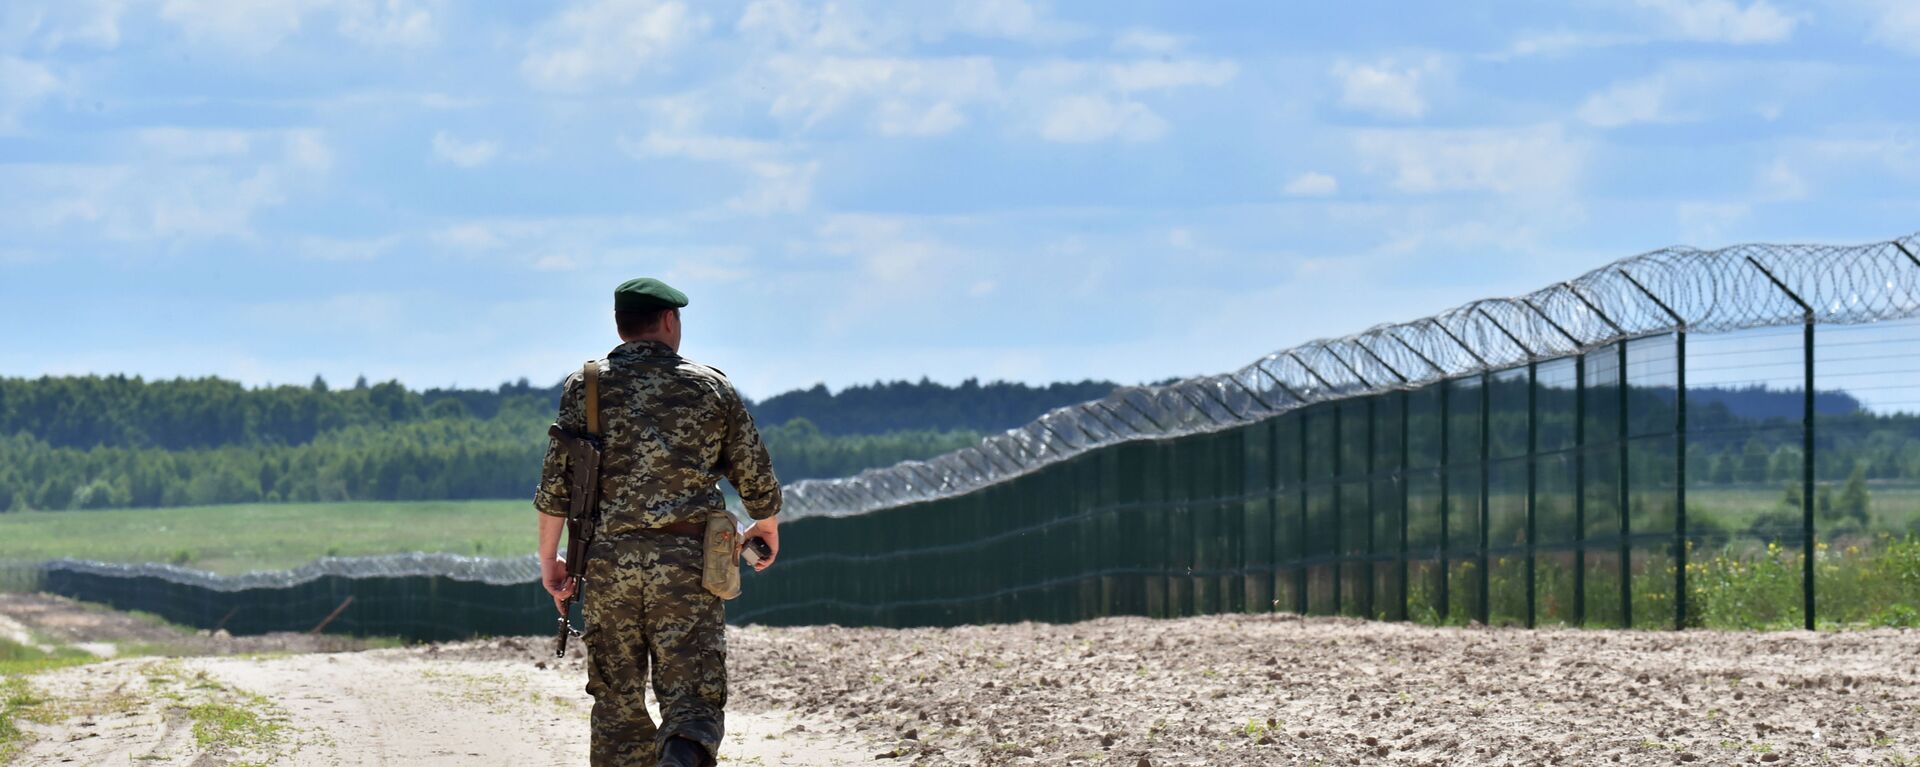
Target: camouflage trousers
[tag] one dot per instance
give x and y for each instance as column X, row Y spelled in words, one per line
column 645, row 606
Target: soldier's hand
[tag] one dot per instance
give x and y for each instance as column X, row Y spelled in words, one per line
column 767, row 530
column 553, row 575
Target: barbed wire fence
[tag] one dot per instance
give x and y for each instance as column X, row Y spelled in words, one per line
column 1413, row 470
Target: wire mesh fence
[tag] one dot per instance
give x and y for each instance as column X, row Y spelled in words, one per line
column 1684, row 438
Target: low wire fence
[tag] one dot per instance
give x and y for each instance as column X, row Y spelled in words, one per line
column 414, row 597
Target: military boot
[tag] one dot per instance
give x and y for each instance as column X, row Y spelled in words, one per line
column 680, row 752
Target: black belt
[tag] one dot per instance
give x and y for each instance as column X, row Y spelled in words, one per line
column 689, row 529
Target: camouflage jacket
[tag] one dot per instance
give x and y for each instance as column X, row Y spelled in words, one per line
column 673, row 430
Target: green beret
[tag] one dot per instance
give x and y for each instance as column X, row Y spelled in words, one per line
column 647, row 293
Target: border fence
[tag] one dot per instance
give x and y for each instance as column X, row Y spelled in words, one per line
column 1725, row 438
column 1682, row 438
column 414, row 597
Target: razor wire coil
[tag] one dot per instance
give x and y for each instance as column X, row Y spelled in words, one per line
column 1707, row 291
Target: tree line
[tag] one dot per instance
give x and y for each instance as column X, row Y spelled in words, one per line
column 200, row 413
column 430, row 459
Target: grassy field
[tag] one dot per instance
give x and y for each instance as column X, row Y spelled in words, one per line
column 236, row 539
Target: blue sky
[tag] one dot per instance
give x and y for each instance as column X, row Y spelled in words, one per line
column 446, row 193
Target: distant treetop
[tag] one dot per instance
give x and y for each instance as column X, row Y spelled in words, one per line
column 902, row 405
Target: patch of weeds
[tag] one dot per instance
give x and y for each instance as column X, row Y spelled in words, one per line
column 19, row 660
column 16, row 699
column 221, row 724
column 150, row 650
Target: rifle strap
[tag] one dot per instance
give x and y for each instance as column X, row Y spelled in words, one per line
column 591, row 374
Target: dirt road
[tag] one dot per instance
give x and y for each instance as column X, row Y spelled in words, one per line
column 385, row 707
column 1225, row 690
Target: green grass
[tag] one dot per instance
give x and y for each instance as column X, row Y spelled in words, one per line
column 20, row 660
column 240, row 538
column 17, row 698
column 218, row 724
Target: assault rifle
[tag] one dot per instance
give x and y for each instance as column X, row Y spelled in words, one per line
column 583, row 515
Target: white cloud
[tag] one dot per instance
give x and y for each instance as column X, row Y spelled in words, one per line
column 1081, row 102
column 1388, row 88
column 19, row 257
column 608, row 42
column 55, row 24
column 901, row 96
column 1629, row 102
column 779, row 185
column 1180, row 238
column 1087, row 118
column 1150, row 42
column 335, row 249
column 253, row 27
column 1559, row 43
column 1723, row 21
column 716, row 265
column 1709, row 222
column 195, row 144
column 779, row 188
column 1896, row 24
column 307, row 150
column 983, row 288
column 388, row 22
column 884, row 247
column 1536, row 160
column 554, row 263
column 698, row 147
column 1012, row 19
column 1779, row 182
column 257, row 26
column 462, row 152
column 179, row 184
column 469, row 237
column 205, row 204
column 23, row 85
column 794, row 25
column 1151, row 74
column 1312, row 184
column 1693, row 91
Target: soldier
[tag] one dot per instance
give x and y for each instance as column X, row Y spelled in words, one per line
column 672, row 428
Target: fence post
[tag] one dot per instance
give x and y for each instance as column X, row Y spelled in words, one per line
column 1533, row 449
column 1486, row 492
column 1366, row 591
column 1680, row 480
column 1300, row 561
column 1811, row 549
column 1808, row 548
column 1406, row 499
column 1626, row 497
column 1446, row 500
column 1580, row 490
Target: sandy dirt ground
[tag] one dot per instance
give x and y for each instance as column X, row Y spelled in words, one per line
column 1235, row 690
column 1258, row 690
column 383, row 707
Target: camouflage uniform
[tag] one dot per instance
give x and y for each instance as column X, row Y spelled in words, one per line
column 673, row 429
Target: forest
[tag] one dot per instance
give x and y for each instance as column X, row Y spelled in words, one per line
column 90, row 442
column 115, row 442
